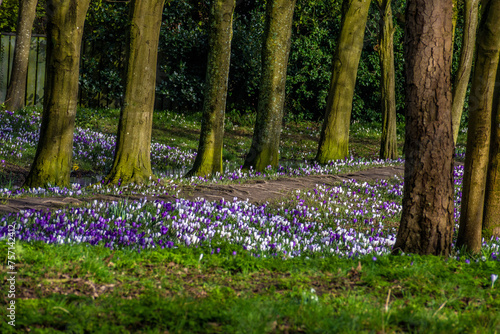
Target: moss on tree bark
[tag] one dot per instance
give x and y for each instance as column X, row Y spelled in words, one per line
column 209, row 158
column 479, row 138
column 454, row 20
column 465, row 65
column 389, row 142
column 132, row 160
column 52, row 163
column 491, row 220
column 264, row 150
column 334, row 138
column 15, row 98
column 427, row 217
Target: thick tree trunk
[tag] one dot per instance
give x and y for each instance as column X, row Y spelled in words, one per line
column 464, row 68
column 334, row 138
column 132, row 160
column 491, row 220
column 277, row 39
column 209, row 158
column 427, row 218
column 479, row 133
column 389, row 141
column 15, row 98
column 52, row 164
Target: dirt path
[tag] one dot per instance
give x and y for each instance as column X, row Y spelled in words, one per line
column 265, row 190
column 257, row 192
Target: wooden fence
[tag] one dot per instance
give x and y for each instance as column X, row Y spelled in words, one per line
column 36, row 67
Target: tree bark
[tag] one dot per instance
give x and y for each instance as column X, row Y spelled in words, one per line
column 334, row 138
column 491, row 220
column 464, row 68
column 52, row 164
column 427, row 218
column 15, row 98
column 479, row 133
column 389, row 142
column 264, row 150
column 132, row 159
column 209, row 158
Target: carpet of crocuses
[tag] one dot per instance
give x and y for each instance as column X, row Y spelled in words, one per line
column 347, row 220
column 19, row 131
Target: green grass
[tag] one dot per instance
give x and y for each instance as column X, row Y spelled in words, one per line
column 299, row 139
column 77, row 289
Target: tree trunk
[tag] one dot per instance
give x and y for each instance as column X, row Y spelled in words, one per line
column 15, row 98
column 209, row 158
column 334, row 138
column 427, row 218
column 491, row 220
column 479, row 133
column 132, row 160
column 464, row 68
column 389, row 141
column 454, row 22
column 52, row 164
column 264, row 150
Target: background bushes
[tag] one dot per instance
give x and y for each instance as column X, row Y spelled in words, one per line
column 183, row 50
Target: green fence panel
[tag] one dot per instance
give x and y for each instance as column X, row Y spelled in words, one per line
column 36, row 73
column 3, row 70
column 40, row 77
column 7, row 43
column 36, row 67
column 31, row 77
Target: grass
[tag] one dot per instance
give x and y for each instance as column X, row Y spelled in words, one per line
column 299, row 138
column 216, row 286
column 76, row 289
column 298, row 141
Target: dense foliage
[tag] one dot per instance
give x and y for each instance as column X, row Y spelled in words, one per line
column 183, row 52
column 101, row 72
column 8, row 17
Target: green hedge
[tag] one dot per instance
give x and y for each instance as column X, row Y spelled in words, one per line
column 183, row 52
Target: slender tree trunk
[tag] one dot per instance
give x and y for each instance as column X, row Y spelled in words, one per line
column 427, row 218
column 52, row 164
column 209, row 158
column 389, row 141
column 464, row 68
column 454, row 22
column 491, row 220
column 15, row 98
column 334, row 138
column 479, row 133
column 132, row 160
column 277, row 39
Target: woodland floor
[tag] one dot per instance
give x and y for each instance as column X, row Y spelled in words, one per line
column 257, row 191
